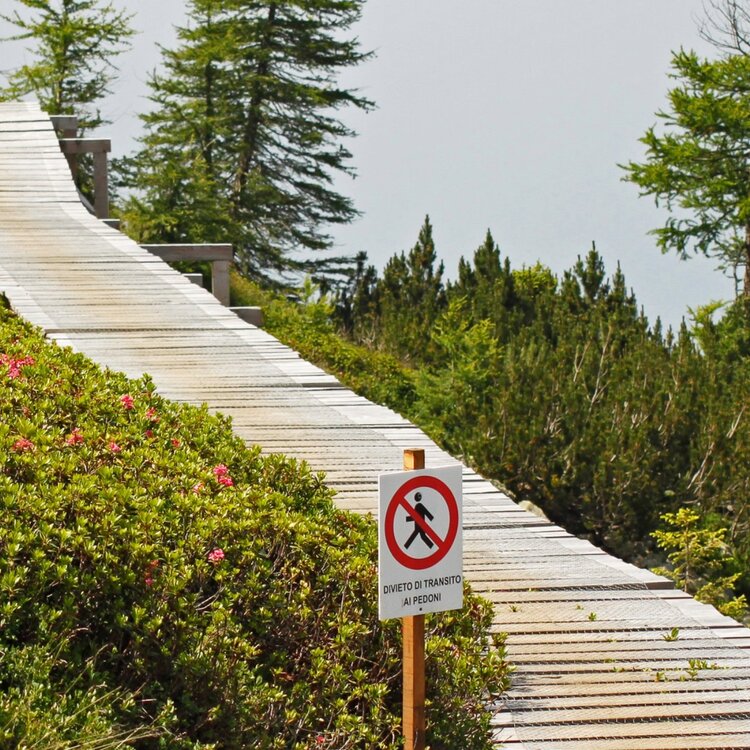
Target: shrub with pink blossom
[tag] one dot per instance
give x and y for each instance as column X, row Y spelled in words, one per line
column 138, row 595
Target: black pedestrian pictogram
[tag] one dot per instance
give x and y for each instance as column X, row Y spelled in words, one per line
column 422, row 518
column 423, row 513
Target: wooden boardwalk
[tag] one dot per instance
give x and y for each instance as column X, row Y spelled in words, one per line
column 586, row 631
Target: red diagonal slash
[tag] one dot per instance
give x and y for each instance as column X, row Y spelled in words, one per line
column 398, row 500
column 421, row 522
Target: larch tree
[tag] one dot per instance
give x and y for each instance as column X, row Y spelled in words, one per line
column 698, row 165
column 73, row 43
column 244, row 138
column 726, row 25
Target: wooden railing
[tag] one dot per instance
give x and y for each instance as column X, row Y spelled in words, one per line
column 72, row 146
column 219, row 255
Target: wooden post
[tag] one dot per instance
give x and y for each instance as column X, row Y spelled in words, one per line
column 220, row 255
column 101, row 185
column 67, row 125
column 413, row 637
column 220, row 281
column 99, row 147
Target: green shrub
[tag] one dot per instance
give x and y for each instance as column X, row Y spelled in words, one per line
column 699, row 561
column 308, row 329
column 159, row 578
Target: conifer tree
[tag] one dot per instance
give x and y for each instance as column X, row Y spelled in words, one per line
column 411, row 296
column 487, row 286
column 73, row 43
column 697, row 167
column 243, row 141
column 358, row 307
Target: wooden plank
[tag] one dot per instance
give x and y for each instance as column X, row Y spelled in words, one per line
column 85, row 145
column 586, row 683
column 687, row 731
column 174, row 252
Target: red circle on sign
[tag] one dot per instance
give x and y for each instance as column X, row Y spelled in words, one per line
column 399, row 500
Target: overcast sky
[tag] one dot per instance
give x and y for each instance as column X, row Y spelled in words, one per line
column 510, row 115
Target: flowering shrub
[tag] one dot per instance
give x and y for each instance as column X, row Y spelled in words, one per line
column 163, row 586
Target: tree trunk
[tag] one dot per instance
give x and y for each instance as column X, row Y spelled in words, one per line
column 253, row 116
column 746, row 282
column 208, row 135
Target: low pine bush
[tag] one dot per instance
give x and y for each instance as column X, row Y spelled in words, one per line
column 163, row 586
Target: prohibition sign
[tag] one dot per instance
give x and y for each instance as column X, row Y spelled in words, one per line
column 443, row 545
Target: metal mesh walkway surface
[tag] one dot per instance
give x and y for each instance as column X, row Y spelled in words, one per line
column 586, row 631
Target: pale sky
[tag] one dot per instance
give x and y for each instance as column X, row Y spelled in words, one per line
column 510, row 115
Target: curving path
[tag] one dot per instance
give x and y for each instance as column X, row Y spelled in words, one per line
column 585, row 629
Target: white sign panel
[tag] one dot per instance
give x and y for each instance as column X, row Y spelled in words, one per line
column 420, row 551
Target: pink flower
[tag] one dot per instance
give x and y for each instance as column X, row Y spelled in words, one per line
column 151, row 568
column 320, row 739
column 151, row 414
column 222, row 476
column 149, row 434
column 75, row 437
column 197, row 487
column 215, row 556
column 114, row 448
column 175, row 443
column 22, row 445
column 127, row 402
column 14, row 365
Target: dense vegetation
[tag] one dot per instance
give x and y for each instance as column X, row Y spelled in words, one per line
column 244, row 139
column 558, row 388
column 163, row 586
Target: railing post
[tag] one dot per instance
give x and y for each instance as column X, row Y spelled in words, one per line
column 101, row 185
column 67, row 126
column 218, row 254
column 220, row 281
column 99, row 147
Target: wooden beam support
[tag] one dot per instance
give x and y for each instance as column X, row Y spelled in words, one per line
column 220, row 281
column 99, row 147
column 67, row 126
column 85, row 145
column 220, row 255
column 101, row 185
column 173, row 252
column 413, row 638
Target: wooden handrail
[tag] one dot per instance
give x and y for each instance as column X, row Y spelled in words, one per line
column 220, row 255
column 85, row 145
column 99, row 147
column 176, row 251
column 66, row 124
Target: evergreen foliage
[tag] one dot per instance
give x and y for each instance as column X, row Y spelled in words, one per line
column 395, row 312
column 698, row 165
column 699, row 560
column 74, row 44
column 243, row 140
column 162, row 586
column 560, row 389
